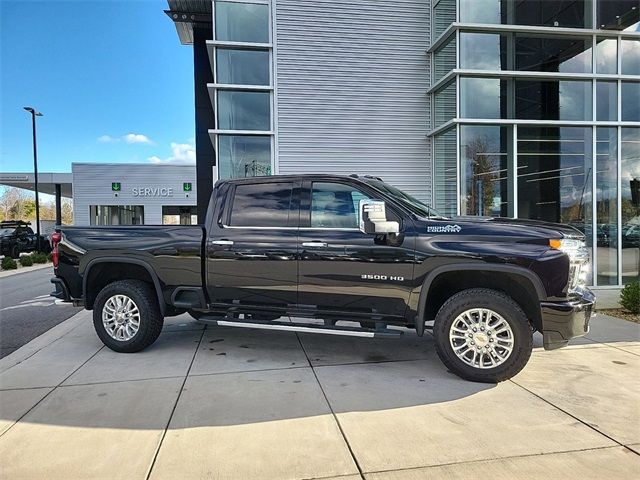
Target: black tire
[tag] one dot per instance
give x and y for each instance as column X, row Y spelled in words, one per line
column 15, row 252
column 151, row 319
column 500, row 304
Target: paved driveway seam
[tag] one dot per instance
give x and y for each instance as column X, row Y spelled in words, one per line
column 335, row 417
column 184, row 381
column 509, row 457
column 570, row 414
column 117, row 381
column 622, row 349
column 50, row 392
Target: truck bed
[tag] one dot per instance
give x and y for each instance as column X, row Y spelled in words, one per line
column 173, row 252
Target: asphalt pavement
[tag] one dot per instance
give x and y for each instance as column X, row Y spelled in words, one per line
column 27, row 310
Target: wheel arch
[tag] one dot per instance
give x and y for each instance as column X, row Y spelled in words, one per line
column 141, row 271
column 521, row 284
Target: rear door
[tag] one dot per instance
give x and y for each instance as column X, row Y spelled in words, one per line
column 345, row 270
column 252, row 244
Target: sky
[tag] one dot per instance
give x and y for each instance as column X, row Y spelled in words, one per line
column 111, row 78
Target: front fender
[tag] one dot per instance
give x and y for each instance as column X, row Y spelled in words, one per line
column 423, row 291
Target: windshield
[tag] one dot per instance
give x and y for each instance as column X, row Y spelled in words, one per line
column 411, row 203
column 6, row 231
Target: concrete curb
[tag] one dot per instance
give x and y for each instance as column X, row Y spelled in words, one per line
column 8, row 273
column 44, row 340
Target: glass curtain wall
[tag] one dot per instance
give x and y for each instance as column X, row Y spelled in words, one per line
column 555, row 175
column 243, row 90
column 485, row 170
column 630, row 203
column 606, row 206
column 547, row 122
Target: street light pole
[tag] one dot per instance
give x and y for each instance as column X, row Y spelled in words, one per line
column 35, row 114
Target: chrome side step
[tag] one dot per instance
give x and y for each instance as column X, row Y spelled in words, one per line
column 303, row 327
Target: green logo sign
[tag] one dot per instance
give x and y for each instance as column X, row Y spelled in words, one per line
column 187, row 187
column 115, row 186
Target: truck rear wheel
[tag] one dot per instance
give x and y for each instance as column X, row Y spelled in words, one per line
column 126, row 316
column 482, row 335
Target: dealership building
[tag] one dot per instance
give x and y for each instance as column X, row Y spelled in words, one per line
column 521, row 108
column 119, row 193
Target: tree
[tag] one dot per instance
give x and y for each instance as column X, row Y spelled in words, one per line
column 67, row 211
column 14, row 202
column 19, row 204
column 484, row 174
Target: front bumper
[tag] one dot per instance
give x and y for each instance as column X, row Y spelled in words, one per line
column 564, row 320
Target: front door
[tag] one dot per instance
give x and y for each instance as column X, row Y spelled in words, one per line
column 341, row 268
column 252, row 246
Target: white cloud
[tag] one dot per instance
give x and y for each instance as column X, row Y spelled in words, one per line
column 182, row 153
column 128, row 138
column 136, row 138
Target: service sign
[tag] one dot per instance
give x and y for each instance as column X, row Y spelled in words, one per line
column 152, row 192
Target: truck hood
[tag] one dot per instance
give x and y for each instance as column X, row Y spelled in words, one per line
column 501, row 226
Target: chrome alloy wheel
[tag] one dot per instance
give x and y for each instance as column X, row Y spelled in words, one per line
column 481, row 338
column 121, row 317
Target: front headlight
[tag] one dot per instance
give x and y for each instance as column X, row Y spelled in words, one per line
column 578, row 255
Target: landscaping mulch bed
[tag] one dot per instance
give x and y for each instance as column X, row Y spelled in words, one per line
column 620, row 313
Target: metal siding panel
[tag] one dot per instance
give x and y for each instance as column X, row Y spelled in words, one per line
column 92, row 186
column 351, row 87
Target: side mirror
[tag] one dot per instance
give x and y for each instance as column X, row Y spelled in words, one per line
column 373, row 218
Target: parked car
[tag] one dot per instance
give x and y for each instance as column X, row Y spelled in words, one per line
column 336, row 249
column 631, row 235
column 17, row 237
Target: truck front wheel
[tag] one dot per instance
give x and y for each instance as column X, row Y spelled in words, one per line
column 482, row 335
column 126, row 316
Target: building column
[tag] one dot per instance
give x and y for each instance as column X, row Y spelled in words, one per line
column 58, row 204
column 205, row 119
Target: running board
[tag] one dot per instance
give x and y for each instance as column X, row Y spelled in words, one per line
column 303, row 327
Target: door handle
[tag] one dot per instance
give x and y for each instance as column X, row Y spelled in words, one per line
column 314, row 244
column 221, row 242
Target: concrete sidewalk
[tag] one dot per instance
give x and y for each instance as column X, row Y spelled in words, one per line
column 246, row 404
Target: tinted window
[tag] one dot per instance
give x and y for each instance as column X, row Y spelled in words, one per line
column 262, row 205
column 606, row 55
column 607, row 101
column 552, row 13
column 242, row 67
column 630, row 57
column 553, row 54
column 617, row 14
column 242, row 156
column 244, row 110
column 483, row 97
column 242, row 22
column 553, row 100
column 630, row 104
column 334, row 205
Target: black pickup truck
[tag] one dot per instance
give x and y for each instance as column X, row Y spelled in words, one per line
column 352, row 255
column 17, row 237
